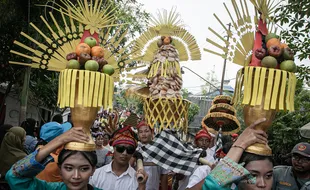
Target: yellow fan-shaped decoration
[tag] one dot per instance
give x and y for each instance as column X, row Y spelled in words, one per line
column 89, row 13
column 167, row 24
column 238, row 49
column 65, row 35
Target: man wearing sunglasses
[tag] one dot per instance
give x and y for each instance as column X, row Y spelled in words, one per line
column 296, row 177
column 119, row 175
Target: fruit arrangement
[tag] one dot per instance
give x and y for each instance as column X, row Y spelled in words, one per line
column 89, row 56
column 274, row 54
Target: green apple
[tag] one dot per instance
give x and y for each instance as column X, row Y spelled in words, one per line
column 91, row 65
column 271, row 35
column 288, row 65
column 108, row 69
column 269, row 62
column 91, row 41
column 73, row 64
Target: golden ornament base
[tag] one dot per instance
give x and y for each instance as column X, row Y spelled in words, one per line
column 81, row 146
column 259, row 149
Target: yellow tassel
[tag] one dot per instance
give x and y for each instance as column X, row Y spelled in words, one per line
column 255, row 86
column 293, row 91
column 261, row 89
column 81, row 86
column 59, row 89
column 66, row 88
column 269, row 89
column 282, row 105
column 91, row 89
column 247, row 85
column 106, row 92
column 86, row 88
column 275, row 91
column 95, row 101
column 111, row 92
column 62, row 99
column 73, row 83
column 101, row 89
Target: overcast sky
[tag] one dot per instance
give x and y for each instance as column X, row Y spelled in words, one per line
column 198, row 16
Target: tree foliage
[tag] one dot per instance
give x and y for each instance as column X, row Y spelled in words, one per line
column 284, row 132
column 124, row 102
column 193, row 108
column 294, row 17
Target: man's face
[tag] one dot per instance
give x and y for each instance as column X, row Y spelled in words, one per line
column 123, row 153
column 145, row 134
column 300, row 163
column 203, row 142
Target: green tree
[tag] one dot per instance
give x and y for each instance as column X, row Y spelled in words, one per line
column 128, row 102
column 193, row 108
column 294, row 17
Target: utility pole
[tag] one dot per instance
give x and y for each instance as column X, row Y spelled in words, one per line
column 25, row 89
column 224, row 67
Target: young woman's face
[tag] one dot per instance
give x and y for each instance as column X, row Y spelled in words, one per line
column 76, row 171
column 262, row 170
column 99, row 140
column 105, row 140
column 145, row 134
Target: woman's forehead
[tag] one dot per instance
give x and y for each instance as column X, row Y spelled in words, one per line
column 261, row 166
column 76, row 159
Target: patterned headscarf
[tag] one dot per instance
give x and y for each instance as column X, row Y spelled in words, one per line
column 202, row 133
column 143, row 123
column 124, row 136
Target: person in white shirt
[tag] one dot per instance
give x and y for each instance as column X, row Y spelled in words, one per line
column 119, row 175
column 199, row 174
column 202, row 140
column 156, row 174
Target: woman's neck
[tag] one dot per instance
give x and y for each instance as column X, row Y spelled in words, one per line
column 119, row 169
column 83, row 188
column 99, row 147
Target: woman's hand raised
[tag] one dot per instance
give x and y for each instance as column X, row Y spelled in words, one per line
column 75, row 134
column 251, row 136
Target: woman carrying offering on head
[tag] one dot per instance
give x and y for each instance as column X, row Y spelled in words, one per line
column 75, row 166
column 252, row 172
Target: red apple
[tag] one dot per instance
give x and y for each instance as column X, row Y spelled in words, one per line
column 275, row 51
column 260, row 53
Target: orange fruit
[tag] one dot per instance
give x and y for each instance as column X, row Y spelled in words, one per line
column 273, row 42
column 97, row 51
column 82, row 48
column 284, row 45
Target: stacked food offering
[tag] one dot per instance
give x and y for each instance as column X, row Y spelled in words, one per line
column 266, row 83
column 221, row 116
column 75, row 47
column 162, row 47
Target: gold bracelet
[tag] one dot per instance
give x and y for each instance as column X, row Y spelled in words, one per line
column 237, row 146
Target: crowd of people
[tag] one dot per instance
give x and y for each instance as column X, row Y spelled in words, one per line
column 36, row 159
